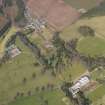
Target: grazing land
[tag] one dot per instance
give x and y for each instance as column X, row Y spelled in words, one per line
column 98, row 93
column 12, row 75
column 26, row 81
column 53, row 97
column 80, row 4
column 92, row 46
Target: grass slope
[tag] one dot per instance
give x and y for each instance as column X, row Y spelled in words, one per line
column 13, row 72
column 98, row 93
column 92, row 46
column 53, row 97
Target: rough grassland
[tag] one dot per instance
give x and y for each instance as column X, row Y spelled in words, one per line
column 13, row 72
column 53, row 97
column 74, row 72
column 91, row 46
column 97, row 23
column 87, row 4
column 98, row 93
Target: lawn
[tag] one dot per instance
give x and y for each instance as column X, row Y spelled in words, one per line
column 96, row 23
column 74, row 72
column 98, row 93
column 100, row 101
column 98, row 74
column 54, row 98
column 87, row 4
column 13, row 72
column 70, row 32
column 92, row 46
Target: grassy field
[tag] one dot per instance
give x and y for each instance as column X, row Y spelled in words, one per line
column 14, row 71
column 12, row 74
column 100, row 101
column 97, row 23
column 87, row 4
column 54, row 98
column 74, row 72
column 98, row 74
column 98, row 93
column 91, row 46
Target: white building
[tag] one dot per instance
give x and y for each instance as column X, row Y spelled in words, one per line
column 13, row 51
column 78, row 85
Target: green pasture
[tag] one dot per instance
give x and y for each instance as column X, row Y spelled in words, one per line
column 52, row 97
column 13, row 72
column 98, row 93
column 92, row 46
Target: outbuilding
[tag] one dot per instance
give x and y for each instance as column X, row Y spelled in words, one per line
column 83, row 81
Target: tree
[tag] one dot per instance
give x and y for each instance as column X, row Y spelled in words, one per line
column 86, row 31
column 61, row 52
column 24, row 80
column 1, row 11
column 37, row 89
column 34, row 75
column 43, row 88
column 8, row 3
column 82, row 99
column 21, row 8
column 45, row 102
column 29, row 93
column 65, row 87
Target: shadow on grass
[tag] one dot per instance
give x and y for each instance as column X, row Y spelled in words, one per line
column 96, row 11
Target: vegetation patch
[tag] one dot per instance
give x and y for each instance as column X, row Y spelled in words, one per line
column 44, row 98
column 74, row 71
column 92, row 46
column 98, row 93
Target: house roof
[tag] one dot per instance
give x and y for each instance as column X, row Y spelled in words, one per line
column 56, row 12
column 79, row 84
column 86, row 4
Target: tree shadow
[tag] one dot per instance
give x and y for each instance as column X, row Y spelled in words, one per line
column 96, row 11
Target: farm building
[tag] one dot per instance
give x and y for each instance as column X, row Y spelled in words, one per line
column 55, row 12
column 13, row 51
column 83, row 81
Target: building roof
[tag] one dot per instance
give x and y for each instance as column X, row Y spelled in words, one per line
column 13, row 51
column 56, row 12
column 79, row 84
column 86, row 4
